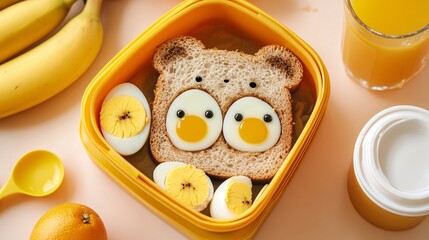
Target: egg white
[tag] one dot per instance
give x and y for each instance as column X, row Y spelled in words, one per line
column 131, row 145
column 160, row 174
column 218, row 207
column 194, row 102
column 250, row 107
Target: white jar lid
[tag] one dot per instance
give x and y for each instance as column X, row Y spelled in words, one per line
column 391, row 160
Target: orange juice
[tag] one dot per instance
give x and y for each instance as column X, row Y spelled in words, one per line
column 385, row 42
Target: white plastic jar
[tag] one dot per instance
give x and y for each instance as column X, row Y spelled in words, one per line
column 389, row 179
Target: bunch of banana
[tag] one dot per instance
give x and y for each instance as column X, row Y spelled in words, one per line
column 50, row 67
column 24, row 23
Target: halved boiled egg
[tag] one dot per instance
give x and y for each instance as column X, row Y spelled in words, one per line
column 125, row 119
column 232, row 198
column 194, row 120
column 251, row 125
column 185, row 183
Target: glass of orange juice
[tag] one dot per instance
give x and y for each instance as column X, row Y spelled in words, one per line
column 385, row 42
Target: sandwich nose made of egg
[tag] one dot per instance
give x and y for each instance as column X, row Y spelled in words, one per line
column 194, row 122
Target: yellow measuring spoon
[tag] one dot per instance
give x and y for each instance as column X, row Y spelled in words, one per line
column 37, row 173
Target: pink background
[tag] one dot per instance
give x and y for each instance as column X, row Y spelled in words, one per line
column 315, row 205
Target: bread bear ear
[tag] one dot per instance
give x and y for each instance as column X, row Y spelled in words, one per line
column 175, row 49
column 281, row 58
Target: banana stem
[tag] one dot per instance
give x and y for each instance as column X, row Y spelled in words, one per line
column 93, row 7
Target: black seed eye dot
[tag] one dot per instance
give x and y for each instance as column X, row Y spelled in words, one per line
column 238, row 117
column 268, row 118
column 198, row 78
column 180, row 113
column 252, row 84
column 209, row 114
column 226, row 80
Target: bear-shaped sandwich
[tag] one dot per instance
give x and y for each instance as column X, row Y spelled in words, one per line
column 225, row 112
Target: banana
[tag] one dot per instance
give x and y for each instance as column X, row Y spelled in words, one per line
column 6, row 3
column 52, row 66
column 123, row 116
column 25, row 23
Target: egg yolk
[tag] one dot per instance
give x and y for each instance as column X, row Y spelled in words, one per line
column 188, row 185
column 253, row 130
column 191, row 128
column 238, row 197
column 123, row 116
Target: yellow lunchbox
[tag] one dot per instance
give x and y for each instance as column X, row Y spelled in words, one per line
column 232, row 25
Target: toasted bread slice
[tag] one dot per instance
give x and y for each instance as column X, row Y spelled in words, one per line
column 184, row 63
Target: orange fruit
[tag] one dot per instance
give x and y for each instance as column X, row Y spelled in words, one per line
column 69, row 221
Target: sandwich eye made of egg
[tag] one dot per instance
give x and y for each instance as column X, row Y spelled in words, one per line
column 125, row 118
column 194, row 120
column 251, row 125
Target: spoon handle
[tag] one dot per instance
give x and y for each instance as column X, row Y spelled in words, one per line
column 8, row 189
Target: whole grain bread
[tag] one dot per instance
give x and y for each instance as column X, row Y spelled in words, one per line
column 269, row 75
